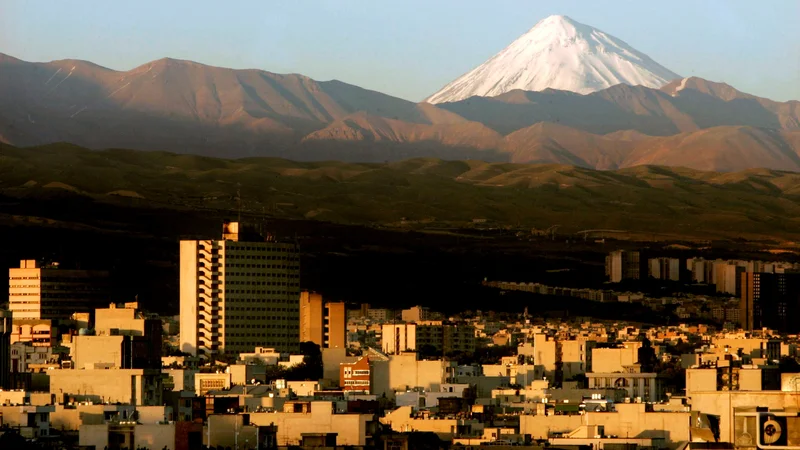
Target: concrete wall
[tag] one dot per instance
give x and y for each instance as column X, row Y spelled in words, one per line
column 401, row 421
column 122, row 319
column 607, row 360
column 404, row 371
column 351, row 428
column 188, row 297
column 398, row 338
column 630, row 420
column 698, row 380
column 311, row 314
column 331, row 359
column 335, row 331
column 155, row 437
column 131, row 386
column 89, row 350
column 149, row 436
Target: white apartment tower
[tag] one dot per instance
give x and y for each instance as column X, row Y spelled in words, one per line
column 239, row 293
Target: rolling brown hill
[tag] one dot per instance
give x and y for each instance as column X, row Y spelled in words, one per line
column 670, row 110
column 422, row 192
column 727, row 148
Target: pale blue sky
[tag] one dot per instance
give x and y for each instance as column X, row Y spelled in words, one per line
column 407, row 48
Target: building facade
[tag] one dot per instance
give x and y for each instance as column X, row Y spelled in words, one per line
column 664, row 268
column 442, row 337
column 50, row 292
column 623, row 265
column 322, row 323
column 356, row 376
column 239, row 293
column 770, row 300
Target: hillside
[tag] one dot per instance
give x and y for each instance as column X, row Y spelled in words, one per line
column 417, row 192
column 191, row 108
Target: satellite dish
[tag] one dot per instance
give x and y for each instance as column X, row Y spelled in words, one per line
column 772, row 431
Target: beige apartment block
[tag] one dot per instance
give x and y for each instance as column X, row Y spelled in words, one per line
column 398, row 338
column 630, row 420
column 125, row 321
column 351, row 429
column 129, row 386
column 29, row 421
column 37, row 332
column 415, row 314
column 204, row 382
column 323, row 323
column 609, row 360
column 238, row 293
column 134, row 435
column 404, row 371
column 645, row 386
column 402, row 420
column 49, row 292
column 72, row 417
column 88, row 351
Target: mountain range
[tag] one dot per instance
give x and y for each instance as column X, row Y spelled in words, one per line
column 558, row 53
column 187, row 107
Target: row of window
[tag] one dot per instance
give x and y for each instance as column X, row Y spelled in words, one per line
column 261, row 266
column 248, row 308
column 268, row 335
column 249, row 291
column 23, row 278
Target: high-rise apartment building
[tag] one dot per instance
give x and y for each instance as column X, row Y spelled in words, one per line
column 239, row 293
column 322, row 323
column 664, row 268
column 770, row 300
column 624, row 265
column 49, row 292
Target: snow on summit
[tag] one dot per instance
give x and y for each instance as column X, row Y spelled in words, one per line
column 558, row 53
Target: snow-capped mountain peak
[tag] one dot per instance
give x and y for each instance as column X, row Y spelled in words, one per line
column 558, row 53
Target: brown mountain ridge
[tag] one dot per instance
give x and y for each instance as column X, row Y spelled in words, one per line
column 188, row 107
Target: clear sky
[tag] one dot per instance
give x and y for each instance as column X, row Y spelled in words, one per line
column 407, row 48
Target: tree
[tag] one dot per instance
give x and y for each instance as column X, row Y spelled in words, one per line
column 788, row 364
column 425, row 440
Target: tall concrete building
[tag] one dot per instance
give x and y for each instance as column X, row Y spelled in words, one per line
column 664, row 268
column 322, row 323
column 770, row 300
column 239, row 293
column 625, row 265
column 49, row 292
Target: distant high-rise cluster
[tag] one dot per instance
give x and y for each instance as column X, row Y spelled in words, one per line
column 625, row 265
